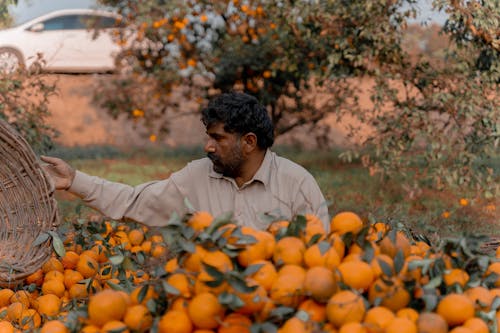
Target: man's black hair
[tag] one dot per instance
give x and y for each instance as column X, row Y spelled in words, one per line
column 240, row 113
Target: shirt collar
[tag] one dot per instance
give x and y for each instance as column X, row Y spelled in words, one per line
column 262, row 175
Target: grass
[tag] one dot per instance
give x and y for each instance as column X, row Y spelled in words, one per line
column 345, row 187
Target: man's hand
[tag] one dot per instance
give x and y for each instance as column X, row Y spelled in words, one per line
column 62, row 173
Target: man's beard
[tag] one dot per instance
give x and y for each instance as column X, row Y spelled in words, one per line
column 229, row 168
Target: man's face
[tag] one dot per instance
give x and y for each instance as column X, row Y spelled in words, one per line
column 224, row 149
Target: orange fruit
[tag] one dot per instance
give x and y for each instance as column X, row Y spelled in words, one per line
column 21, row 296
column 378, row 318
column 320, row 283
column 114, row 326
column 205, row 311
column 90, row 329
column 268, row 239
column 200, row 221
column 409, row 313
column 253, row 301
column 193, row 261
column 430, row 322
column 30, row 319
column 54, row 286
column 70, row 259
column 344, row 307
column 455, row 308
column 235, row 323
column 277, row 227
column 266, row 275
column 289, row 250
column 14, row 311
column 53, row 275
column 136, row 236
column 401, row 325
column 315, row 310
column 461, row 329
column 480, row 296
column 353, row 327
column 494, row 268
column 78, row 291
column 54, row 326
column 87, row 266
column 52, row 265
column 338, row 244
column 171, row 265
column 219, row 260
column 251, row 252
column 356, row 274
column 105, row 306
column 390, row 247
column 180, row 304
column 382, row 263
column 287, row 290
column 345, row 222
column 49, row 305
column 6, row 327
column 477, row 325
column 294, row 325
column 35, row 278
column 149, row 294
column 321, row 254
column 390, row 293
column 138, row 318
column 180, row 282
column 5, row 296
column 456, row 276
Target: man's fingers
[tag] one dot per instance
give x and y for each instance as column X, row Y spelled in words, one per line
column 48, row 159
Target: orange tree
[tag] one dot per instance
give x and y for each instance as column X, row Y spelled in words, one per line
column 431, row 121
column 275, row 50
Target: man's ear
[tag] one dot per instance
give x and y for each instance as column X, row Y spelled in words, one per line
column 249, row 142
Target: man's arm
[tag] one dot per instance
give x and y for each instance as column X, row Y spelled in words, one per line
column 150, row 203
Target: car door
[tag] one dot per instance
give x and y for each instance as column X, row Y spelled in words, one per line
column 49, row 38
column 100, row 49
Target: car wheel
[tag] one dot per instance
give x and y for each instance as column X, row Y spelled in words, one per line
column 10, row 60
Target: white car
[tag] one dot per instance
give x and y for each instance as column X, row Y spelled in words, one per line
column 69, row 40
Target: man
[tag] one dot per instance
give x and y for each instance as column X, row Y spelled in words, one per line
column 240, row 175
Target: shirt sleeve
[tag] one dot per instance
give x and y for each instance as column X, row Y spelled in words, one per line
column 310, row 200
column 150, row 203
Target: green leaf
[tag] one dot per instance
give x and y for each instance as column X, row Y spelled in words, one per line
column 142, row 293
column 189, row 206
column 42, row 238
column 116, row 259
column 240, row 285
column 57, row 244
column 399, row 261
column 385, row 267
column 169, row 289
column 251, row 269
column 213, row 271
column 114, row 286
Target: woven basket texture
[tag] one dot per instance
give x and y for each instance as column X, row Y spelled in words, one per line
column 27, row 209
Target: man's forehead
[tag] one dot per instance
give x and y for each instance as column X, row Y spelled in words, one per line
column 217, row 127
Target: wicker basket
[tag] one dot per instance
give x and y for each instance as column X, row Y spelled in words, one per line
column 27, row 209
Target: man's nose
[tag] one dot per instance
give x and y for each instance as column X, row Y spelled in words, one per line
column 209, row 146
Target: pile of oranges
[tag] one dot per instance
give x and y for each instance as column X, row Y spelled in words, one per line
column 201, row 274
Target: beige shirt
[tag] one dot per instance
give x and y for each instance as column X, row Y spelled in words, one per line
column 280, row 188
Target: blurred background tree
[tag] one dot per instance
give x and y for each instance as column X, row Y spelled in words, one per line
column 24, row 98
column 434, row 122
